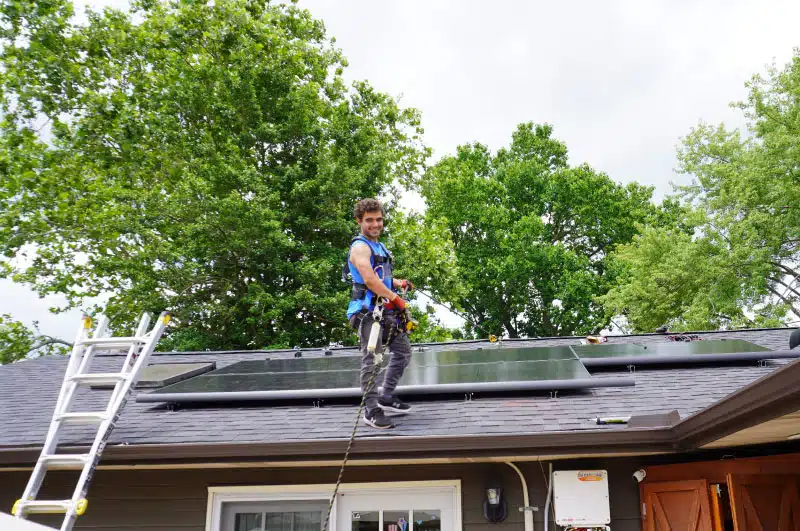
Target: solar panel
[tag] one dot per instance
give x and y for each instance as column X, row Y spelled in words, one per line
column 719, row 346
column 672, row 352
column 340, row 363
column 273, row 384
column 495, row 372
column 457, row 357
column 161, row 374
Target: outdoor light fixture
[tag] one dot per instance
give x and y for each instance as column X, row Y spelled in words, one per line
column 495, row 508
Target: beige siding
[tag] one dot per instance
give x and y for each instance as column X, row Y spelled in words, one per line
column 160, row 500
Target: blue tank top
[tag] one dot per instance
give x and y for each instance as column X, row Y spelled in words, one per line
column 384, row 272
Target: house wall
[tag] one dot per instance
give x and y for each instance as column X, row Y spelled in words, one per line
column 176, row 500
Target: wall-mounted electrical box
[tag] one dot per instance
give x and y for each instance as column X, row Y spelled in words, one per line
column 581, row 498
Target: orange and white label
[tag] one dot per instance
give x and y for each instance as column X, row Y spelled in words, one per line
column 589, row 476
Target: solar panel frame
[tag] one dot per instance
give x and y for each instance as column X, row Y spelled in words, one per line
column 689, row 359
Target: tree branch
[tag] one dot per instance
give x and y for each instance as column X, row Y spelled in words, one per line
column 787, row 286
column 784, row 299
column 46, row 341
column 785, row 268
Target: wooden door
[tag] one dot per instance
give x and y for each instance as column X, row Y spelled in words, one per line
column 676, row 506
column 765, row 502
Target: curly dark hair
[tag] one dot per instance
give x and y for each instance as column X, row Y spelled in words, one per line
column 367, row 205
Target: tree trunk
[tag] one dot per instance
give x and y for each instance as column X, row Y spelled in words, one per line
column 512, row 332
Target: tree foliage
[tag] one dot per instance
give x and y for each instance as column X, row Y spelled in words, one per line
column 738, row 265
column 17, row 341
column 201, row 157
column 531, row 234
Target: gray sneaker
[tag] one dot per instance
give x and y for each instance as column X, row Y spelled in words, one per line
column 377, row 419
column 394, row 405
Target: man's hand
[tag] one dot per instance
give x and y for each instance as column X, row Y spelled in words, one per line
column 397, row 304
column 404, row 284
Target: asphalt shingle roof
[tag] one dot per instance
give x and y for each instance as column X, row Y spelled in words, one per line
column 28, row 392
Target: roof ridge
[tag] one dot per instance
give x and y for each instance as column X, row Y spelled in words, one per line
column 460, row 342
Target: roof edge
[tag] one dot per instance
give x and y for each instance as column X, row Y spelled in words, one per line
column 625, row 440
column 768, row 397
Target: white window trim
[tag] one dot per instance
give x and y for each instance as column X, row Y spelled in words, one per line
column 265, row 493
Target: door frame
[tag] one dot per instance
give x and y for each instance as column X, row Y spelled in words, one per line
column 266, row 493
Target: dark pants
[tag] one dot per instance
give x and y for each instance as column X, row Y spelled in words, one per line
column 400, row 355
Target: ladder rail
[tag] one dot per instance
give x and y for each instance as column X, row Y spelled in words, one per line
column 133, row 352
column 88, row 355
column 141, row 347
column 120, row 395
column 51, row 439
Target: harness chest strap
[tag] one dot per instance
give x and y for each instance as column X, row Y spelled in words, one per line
column 360, row 290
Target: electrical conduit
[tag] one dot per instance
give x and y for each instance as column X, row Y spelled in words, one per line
column 549, row 494
column 527, row 510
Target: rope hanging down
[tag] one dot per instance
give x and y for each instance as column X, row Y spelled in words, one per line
column 376, row 368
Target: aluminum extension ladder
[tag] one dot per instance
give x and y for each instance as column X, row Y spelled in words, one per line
column 139, row 348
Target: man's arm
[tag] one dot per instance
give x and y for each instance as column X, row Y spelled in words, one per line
column 359, row 257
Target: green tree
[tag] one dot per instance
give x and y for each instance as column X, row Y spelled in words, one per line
column 737, row 266
column 17, row 341
column 201, row 157
column 531, row 234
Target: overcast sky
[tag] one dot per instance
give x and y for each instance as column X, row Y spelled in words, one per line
column 621, row 82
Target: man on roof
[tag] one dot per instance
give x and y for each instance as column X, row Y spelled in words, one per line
column 370, row 266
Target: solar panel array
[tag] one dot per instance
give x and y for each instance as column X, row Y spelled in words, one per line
column 450, row 371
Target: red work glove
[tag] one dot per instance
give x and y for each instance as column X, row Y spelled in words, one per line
column 397, row 304
column 407, row 285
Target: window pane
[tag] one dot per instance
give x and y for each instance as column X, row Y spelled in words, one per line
column 247, row 522
column 364, row 521
column 290, row 515
column 395, row 521
column 308, row 521
column 427, row 520
column 279, row 522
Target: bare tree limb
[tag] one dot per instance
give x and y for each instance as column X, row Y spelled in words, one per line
column 46, row 341
column 787, row 286
column 795, row 311
column 786, row 268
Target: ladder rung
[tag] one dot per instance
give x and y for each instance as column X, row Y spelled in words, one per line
column 88, row 417
column 99, row 378
column 48, row 506
column 64, row 461
column 112, row 342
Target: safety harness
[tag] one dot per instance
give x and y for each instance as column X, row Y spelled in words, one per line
column 358, row 290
